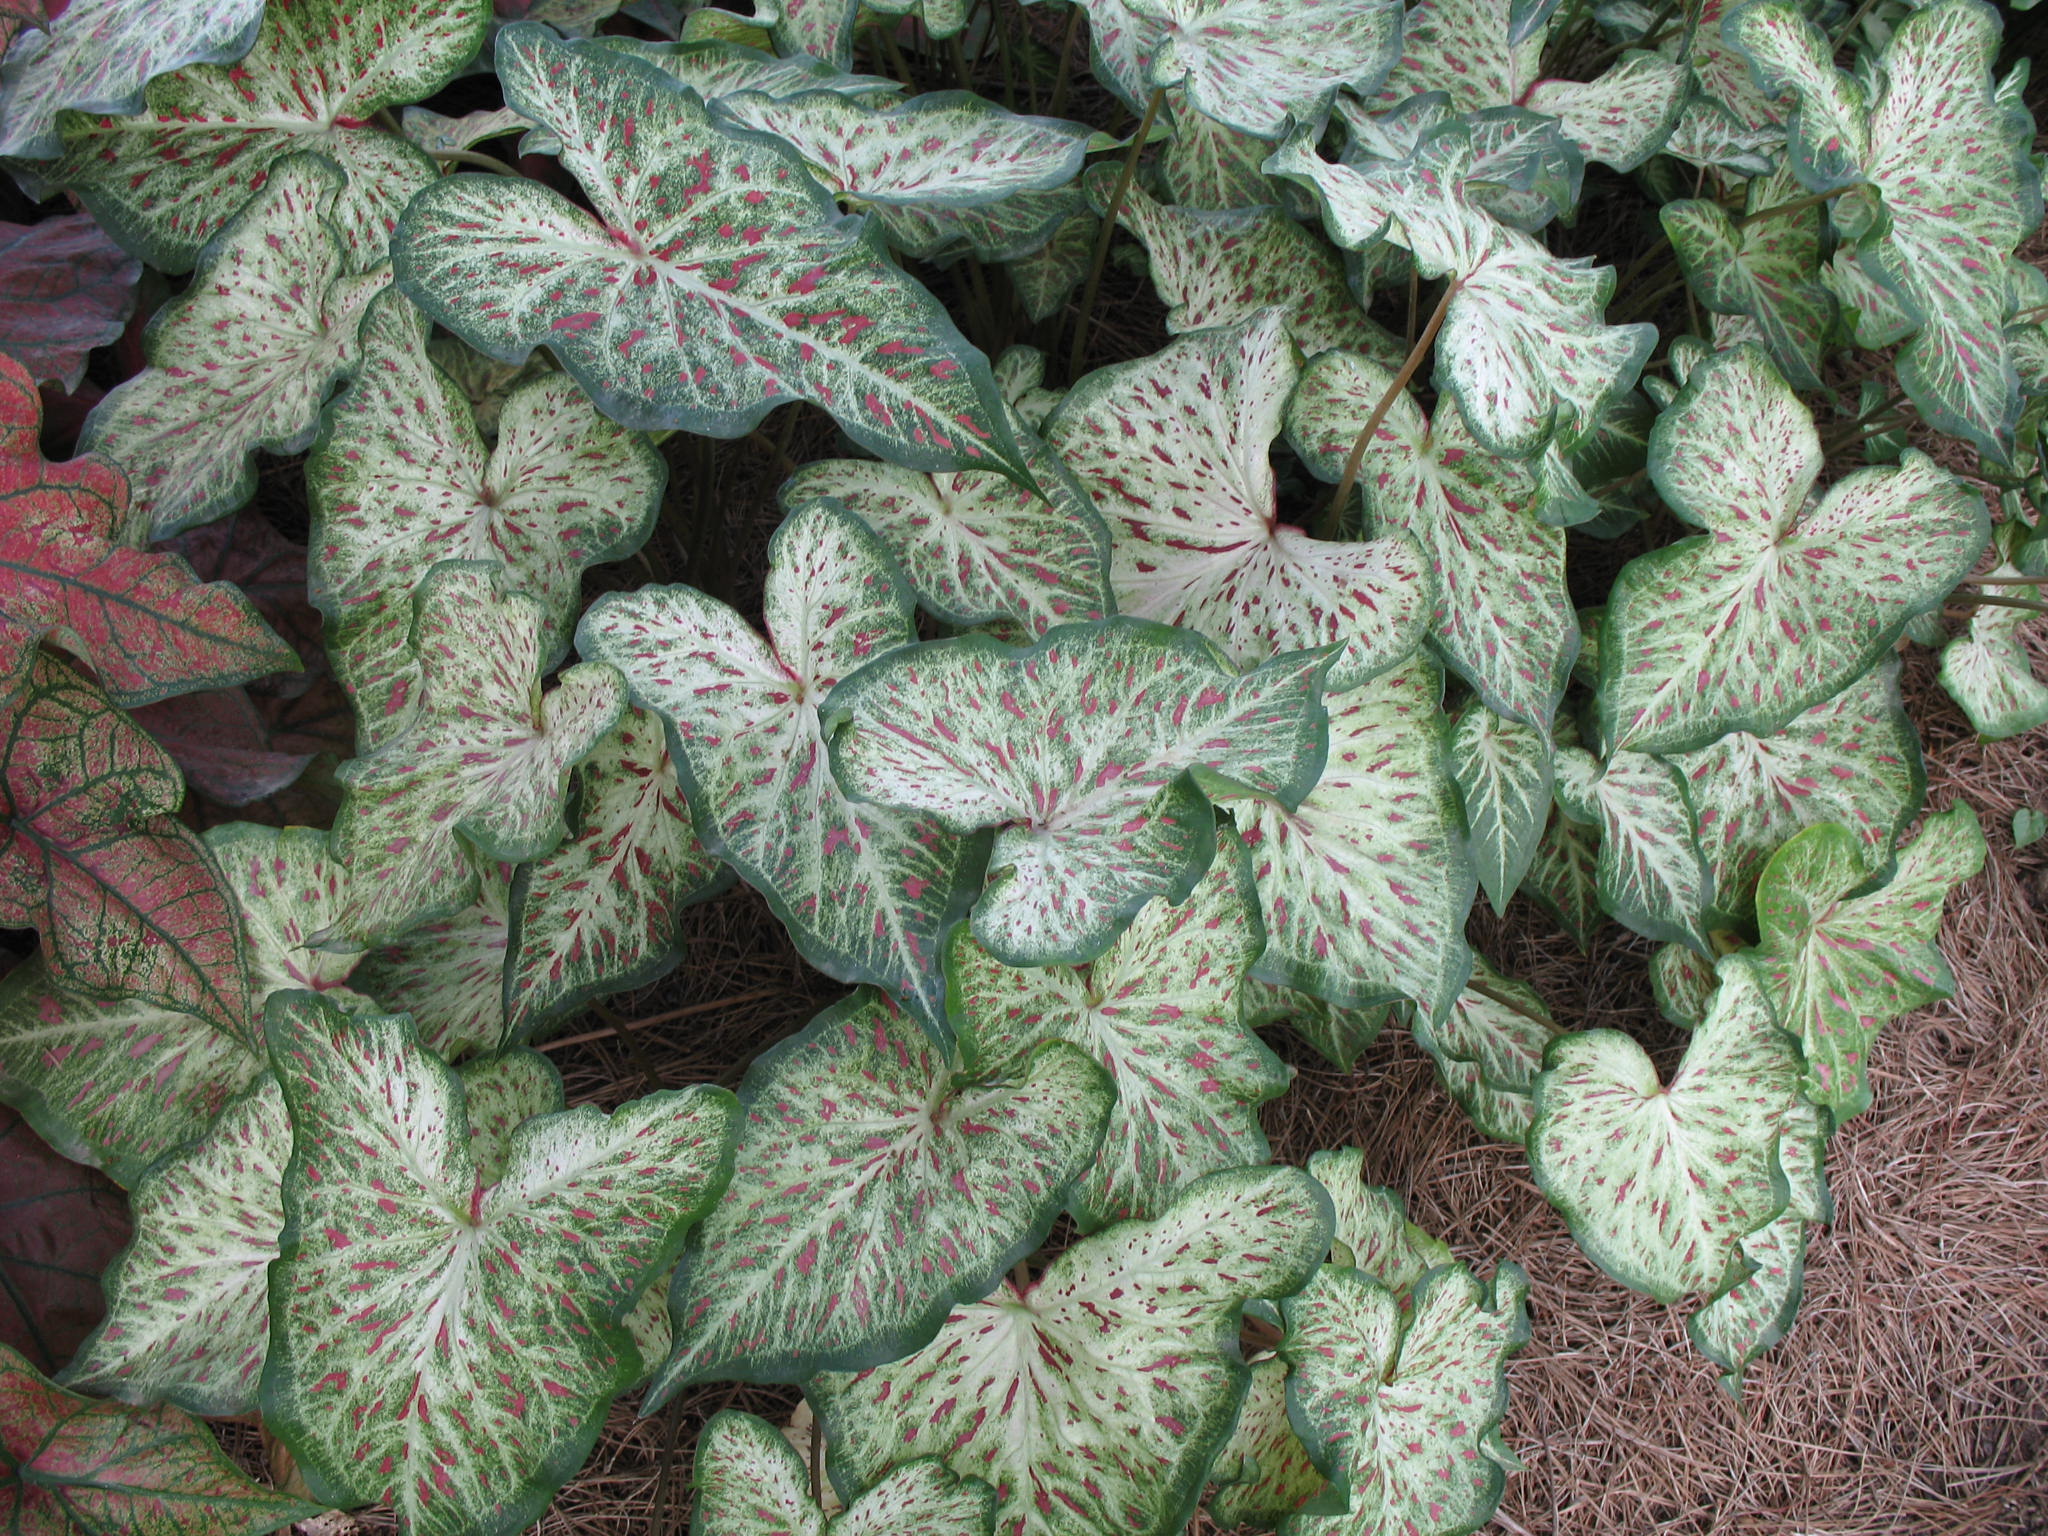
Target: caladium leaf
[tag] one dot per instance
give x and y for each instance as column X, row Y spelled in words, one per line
column 1373, row 1233
column 821, row 28
column 1683, row 982
column 237, row 748
column 1175, row 449
column 875, row 1186
column 1987, row 669
column 1338, row 1034
column 1160, row 1011
column 1765, row 268
column 1489, row 1050
column 72, row 1466
column 1943, row 189
column 602, row 913
column 719, row 67
column 1840, row 966
column 449, row 974
column 1661, row 1184
column 1651, row 873
column 65, row 288
column 142, row 620
column 1250, row 66
column 1783, row 602
column 1018, row 226
column 572, row 18
column 94, row 57
column 481, row 769
column 244, row 360
column 1127, row 1345
column 1046, row 278
column 64, row 1225
column 128, row 904
column 1563, row 878
column 1402, row 1412
column 1094, row 751
column 437, row 134
column 499, row 1306
column 1502, row 618
column 16, row 15
column 401, row 479
column 1263, row 1474
column 1364, row 885
column 1523, row 345
column 1503, row 770
column 164, row 182
column 750, row 1481
column 1207, row 164
column 707, row 315
column 1853, row 760
column 866, row 894
column 977, row 546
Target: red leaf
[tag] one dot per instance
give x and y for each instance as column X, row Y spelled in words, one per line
column 65, row 1223
column 16, row 14
column 270, row 570
column 65, row 288
column 127, row 900
column 237, row 747
column 147, row 627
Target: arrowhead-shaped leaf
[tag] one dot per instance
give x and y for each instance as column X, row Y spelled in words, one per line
column 482, row 768
column 1768, row 269
column 1175, row 450
column 876, row 1185
column 1207, row 164
column 705, row 315
column 1651, row 873
column 1160, row 1011
column 1364, row 885
column 1661, row 1184
column 1503, row 770
column 1124, row 1351
column 496, row 1306
column 1841, row 966
column 243, row 361
column 1489, row 1050
column 866, row 894
column 1783, row 602
column 70, row 1466
column 65, row 288
column 1683, row 982
column 750, row 1482
column 1094, row 751
column 1263, row 1474
column 64, row 1225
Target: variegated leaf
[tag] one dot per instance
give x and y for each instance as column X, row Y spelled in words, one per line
column 165, row 181
column 1840, row 966
column 1338, row 1034
column 750, row 292
column 876, row 1185
column 1263, row 1474
column 1853, row 759
column 1987, row 668
column 976, row 546
column 1502, row 618
column 1489, row 1050
column 821, row 28
column 486, row 382
column 1661, row 1183
column 1767, row 268
column 1402, row 1412
column 1784, row 601
column 1127, row 1345
column 243, row 361
column 1093, row 751
column 1651, row 873
column 1207, row 164
column 498, row 1307
column 1373, row 1233
column 866, row 894
column 1364, row 885
column 1563, row 878
column 65, row 288
column 482, row 767
column 437, row 134
column 719, row 67
column 1175, row 449
column 1503, row 770
column 1160, row 1012
column 1523, row 345
column 94, row 57
column 1046, row 278
column 449, row 974
column 401, row 479
column 1018, row 226
column 1683, row 982
column 602, row 913
column 1942, row 189
column 749, row 1481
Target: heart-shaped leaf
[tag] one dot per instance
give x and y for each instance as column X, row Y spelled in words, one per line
column 65, row 288
column 821, row 28
column 1503, row 771
column 1661, row 1184
column 1651, row 873
column 1840, row 966
column 401, row 478
column 1094, row 751
column 1160, row 1011
column 866, row 894
column 1987, row 669
column 64, row 1224
column 1207, row 164
column 244, row 360
column 71, row 1465
column 1364, row 885
column 1783, row 602
column 1126, row 1348
column 1489, row 1050
column 876, row 1185
column 1175, row 450
column 482, row 767
column 750, row 1482
column 93, row 56
column 1683, row 982
column 1502, row 617
column 1044, row 279
column 1767, row 268
column 719, row 67
column 146, row 625
column 518, row 1348
column 708, row 314
column 165, row 182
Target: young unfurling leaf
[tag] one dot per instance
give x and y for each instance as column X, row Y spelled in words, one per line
column 1503, row 770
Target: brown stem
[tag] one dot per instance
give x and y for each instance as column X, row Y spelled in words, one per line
column 817, row 1461
column 1992, row 600
column 1109, row 214
column 2009, row 581
column 1059, row 88
column 1333, row 515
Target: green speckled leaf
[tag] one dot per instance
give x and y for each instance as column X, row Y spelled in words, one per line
column 1683, row 982
column 750, row 1481
column 1651, row 873
column 1563, row 878
column 1373, row 1233
column 1988, row 669
column 1263, row 1475
column 1338, row 1034
column 1502, row 769
column 1207, row 164
column 1489, row 1050
column 449, row 973
column 1768, row 270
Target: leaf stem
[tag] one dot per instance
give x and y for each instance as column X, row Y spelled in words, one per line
column 1513, row 1005
column 1059, row 88
column 1333, row 515
column 1078, row 353
column 1786, row 210
column 1992, row 600
column 478, row 159
column 817, row 1460
column 2008, row 581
